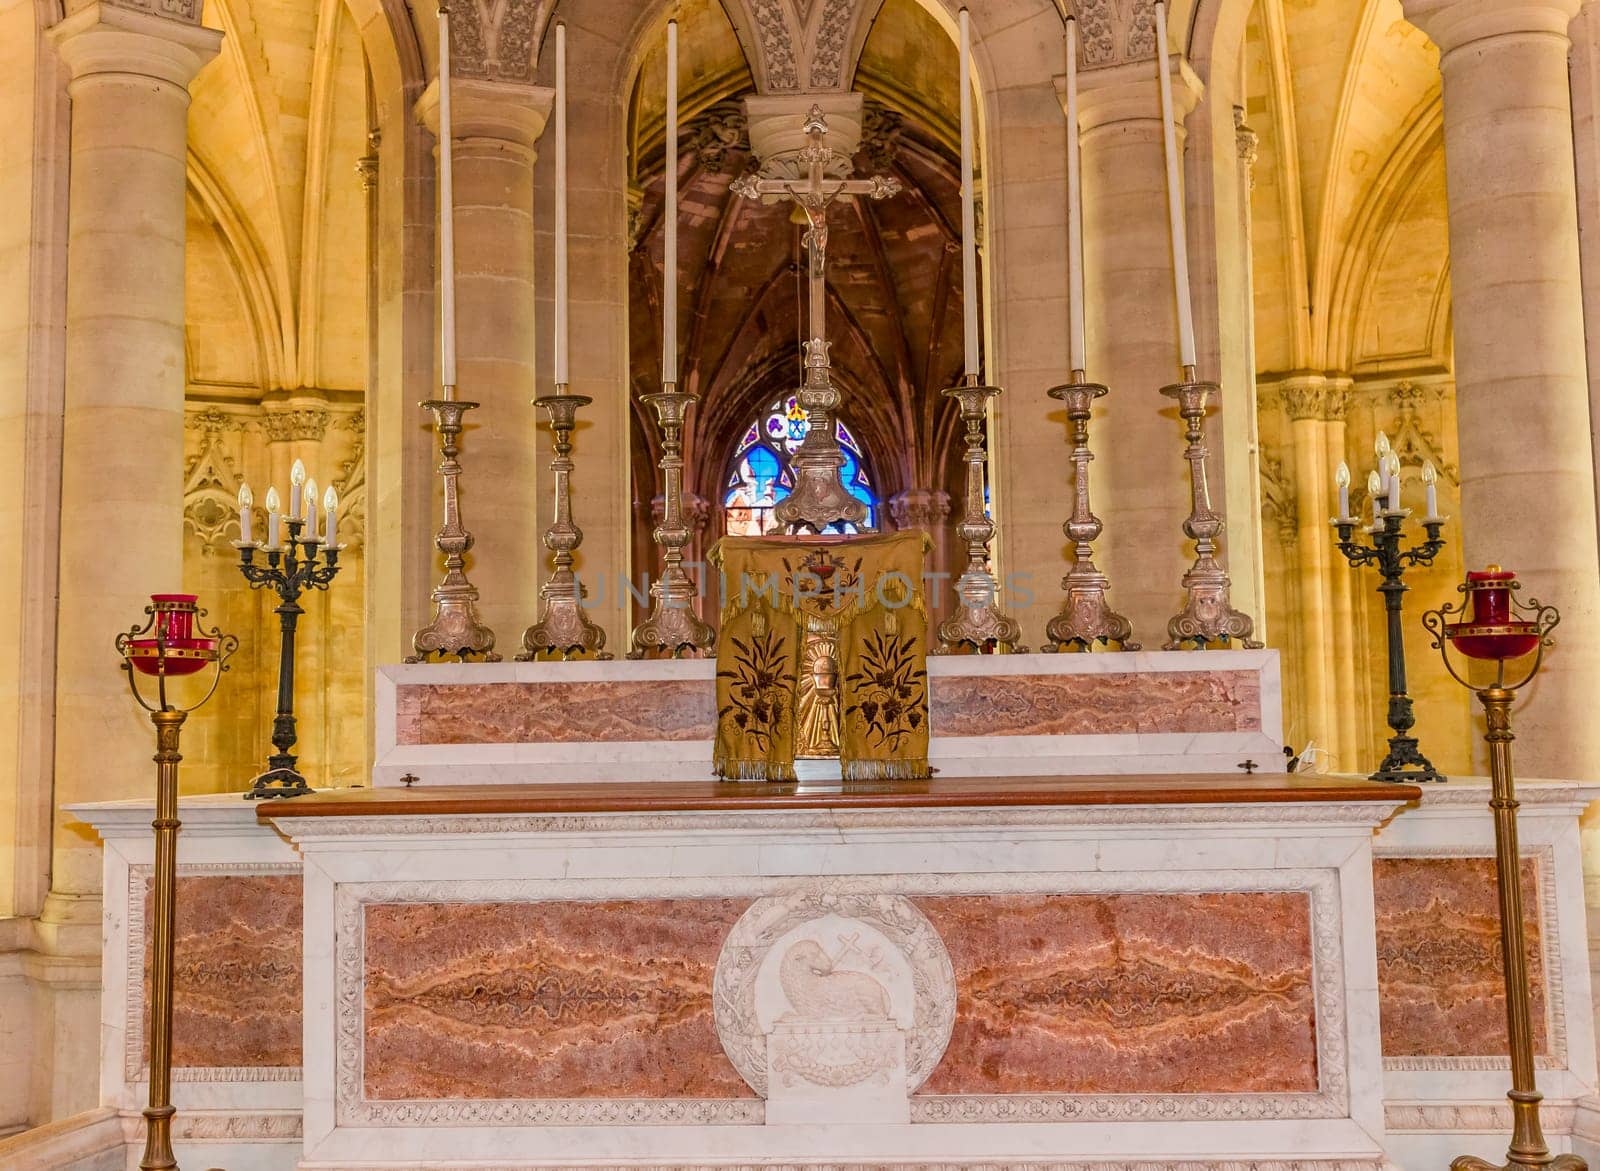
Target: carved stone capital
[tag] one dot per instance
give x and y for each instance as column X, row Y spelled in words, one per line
column 1304, row 398
column 284, row 425
column 1124, row 93
column 777, row 129
column 696, row 511
column 144, row 39
column 1451, row 24
column 1247, row 142
column 501, row 111
column 919, row 508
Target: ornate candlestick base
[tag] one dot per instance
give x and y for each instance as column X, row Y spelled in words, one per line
column 819, row 499
column 456, row 630
column 563, row 626
column 1500, row 629
column 673, row 627
column 978, row 623
column 1208, row 615
column 1086, row 618
column 1404, row 762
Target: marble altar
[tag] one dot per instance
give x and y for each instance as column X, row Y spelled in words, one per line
column 989, row 715
column 1152, row 972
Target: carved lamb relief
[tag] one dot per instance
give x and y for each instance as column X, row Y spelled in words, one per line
column 834, row 1006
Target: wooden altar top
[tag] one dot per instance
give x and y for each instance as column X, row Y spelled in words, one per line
column 936, row 793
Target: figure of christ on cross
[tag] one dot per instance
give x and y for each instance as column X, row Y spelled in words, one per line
column 819, row 499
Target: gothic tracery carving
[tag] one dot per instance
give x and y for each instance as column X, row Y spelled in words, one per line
column 211, row 484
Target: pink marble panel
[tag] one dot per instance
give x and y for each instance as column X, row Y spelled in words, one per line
column 546, row 1000
column 1078, row 705
column 1113, row 994
column 531, row 713
column 1440, row 985
column 236, row 971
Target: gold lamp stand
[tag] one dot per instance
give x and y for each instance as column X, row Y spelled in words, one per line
column 1499, row 629
column 171, row 643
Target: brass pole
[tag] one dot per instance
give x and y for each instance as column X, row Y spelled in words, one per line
column 158, row 1115
column 1528, row 1147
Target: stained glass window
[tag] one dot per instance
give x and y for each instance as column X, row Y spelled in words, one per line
column 759, row 477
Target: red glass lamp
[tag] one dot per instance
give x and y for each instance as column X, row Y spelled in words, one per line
column 1492, row 628
column 170, row 643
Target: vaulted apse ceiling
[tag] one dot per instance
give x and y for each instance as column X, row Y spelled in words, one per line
column 894, row 282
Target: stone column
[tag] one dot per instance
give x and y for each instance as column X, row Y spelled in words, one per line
column 928, row 509
column 1528, row 479
column 1141, row 488
column 1303, row 402
column 122, row 443
column 497, row 125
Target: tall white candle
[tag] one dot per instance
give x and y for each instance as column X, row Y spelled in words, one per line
column 1375, row 492
column 1342, row 479
column 1430, row 481
column 1393, row 469
column 297, row 483
column 1180, row 235
column 969, row 217
column 245, row 502
column 330, row 508
column 447, row 219
column 1077, row 349
column 272, row 518
column 669, row 274
column 561, row 206
column 309, row 513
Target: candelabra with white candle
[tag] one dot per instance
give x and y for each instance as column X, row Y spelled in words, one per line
column 304, row 562
column 1383, row 548
column 673, row 627
column 1086, row 618
column 456, row 631
column 1208, row 617
column 978, row 623
column 563, row 628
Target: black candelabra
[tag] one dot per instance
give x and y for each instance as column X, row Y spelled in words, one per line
column 1405, row 762
column 289, row 571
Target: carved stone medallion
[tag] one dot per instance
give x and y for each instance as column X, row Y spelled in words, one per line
column 838, row 1002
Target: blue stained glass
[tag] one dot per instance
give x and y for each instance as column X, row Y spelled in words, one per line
column 760, row 477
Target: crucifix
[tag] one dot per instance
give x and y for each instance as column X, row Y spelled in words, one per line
column 819, row 499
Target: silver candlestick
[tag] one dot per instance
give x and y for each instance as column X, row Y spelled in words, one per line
column 673, row 626
column 563, row 626
column 1208, row 615
column 978, row 622
column 456, row 630
column 1086, row 618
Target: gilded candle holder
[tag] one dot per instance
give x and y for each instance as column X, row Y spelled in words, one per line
column 1086, row 618
column 563, row 627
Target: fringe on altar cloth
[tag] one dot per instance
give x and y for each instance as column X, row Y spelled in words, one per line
column 907, row 769
column 755, row 770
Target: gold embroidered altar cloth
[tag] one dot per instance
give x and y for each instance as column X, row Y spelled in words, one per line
column 866, row 592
